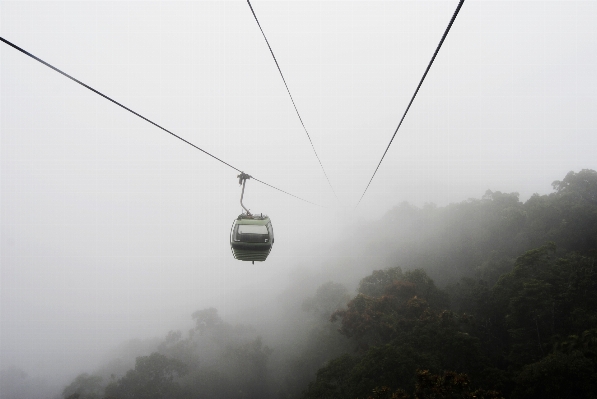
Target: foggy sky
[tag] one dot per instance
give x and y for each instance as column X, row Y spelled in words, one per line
column 112, row 229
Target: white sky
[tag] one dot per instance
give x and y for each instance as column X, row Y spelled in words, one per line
column 113, row 229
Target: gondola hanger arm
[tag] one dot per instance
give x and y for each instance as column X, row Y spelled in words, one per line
column 242, row 179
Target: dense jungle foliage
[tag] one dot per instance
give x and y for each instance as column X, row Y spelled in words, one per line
column 488, row 298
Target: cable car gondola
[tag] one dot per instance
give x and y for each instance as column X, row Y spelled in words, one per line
column 251, row 236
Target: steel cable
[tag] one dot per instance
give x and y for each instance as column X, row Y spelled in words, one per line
column 291, row 99
column 142, row 117
column 414, row 95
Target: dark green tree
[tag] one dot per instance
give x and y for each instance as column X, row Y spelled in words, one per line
column 449, row 385
column 375, row 284
column 85, row 386
column 334, row 380
column 558, row 375
column 543, row 298
column 154, row 377
column 396, row 333
column 583, row 184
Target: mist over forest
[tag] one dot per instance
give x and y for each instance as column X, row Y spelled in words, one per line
column 489, row 297
column 462, row 266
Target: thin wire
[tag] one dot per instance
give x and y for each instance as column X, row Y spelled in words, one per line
column 414, row 95
column 142, row 117
column 291, row 99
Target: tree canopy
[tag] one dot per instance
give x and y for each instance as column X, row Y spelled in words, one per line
column 488, row 298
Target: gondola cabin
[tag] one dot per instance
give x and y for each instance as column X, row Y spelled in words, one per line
column 251, row 237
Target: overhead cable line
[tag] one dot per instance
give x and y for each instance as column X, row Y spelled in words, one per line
column 291, row 99
column 142, row 117
column 414, row 95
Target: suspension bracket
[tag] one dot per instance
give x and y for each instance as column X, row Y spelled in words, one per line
column 242, row 179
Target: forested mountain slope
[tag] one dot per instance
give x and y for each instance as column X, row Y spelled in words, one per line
column 486, row 298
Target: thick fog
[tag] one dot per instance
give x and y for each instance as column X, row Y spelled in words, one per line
column 112, row 229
